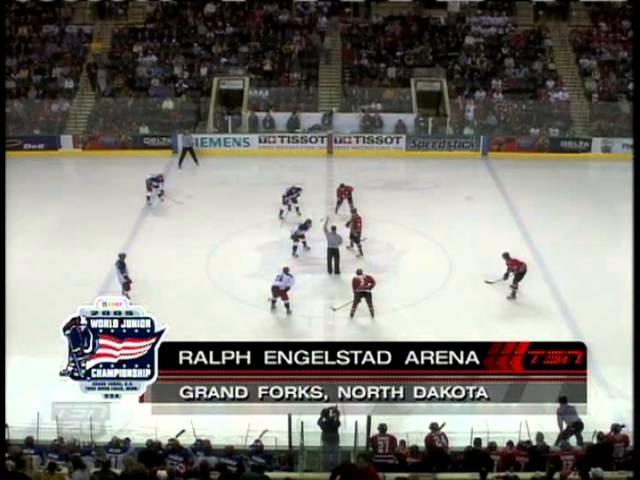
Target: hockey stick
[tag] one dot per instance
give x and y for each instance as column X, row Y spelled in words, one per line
column 526, row 422
column 471, row 437
column 520, row 431
column 262, row 434
column 335, row 309
column 441, row 426
column 179, row 433
column 491, row 282
column 173, row 199
column 193, row 429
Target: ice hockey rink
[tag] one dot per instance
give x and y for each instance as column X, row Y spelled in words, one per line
column 203, row 262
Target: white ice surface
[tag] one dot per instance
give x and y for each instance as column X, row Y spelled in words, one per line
column 435, row 229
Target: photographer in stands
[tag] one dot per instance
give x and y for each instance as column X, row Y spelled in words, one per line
column 329, row 423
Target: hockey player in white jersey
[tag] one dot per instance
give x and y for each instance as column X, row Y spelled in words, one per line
column 298, row 234
column 289, row 198
column 155, row 187
column 281, row 285
column 123, row 274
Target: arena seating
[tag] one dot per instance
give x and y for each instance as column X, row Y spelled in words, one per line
column 603, row 53
column 500, row 78
column 183, row 46
column 44, row 58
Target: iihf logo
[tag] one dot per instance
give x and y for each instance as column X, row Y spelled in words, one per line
column 112, row 347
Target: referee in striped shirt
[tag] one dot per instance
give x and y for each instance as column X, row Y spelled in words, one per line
column 187, row 146
column 568, row 417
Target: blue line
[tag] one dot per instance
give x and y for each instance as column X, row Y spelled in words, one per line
column 137, row 226
column 568, row 316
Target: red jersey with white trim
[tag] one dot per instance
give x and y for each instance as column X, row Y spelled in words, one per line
column 436, row 440
column 344, row 192
column 355, row 224
column 383, row 446
column 516, row 266
column 620, row 443
column 566, row 460
column 363, row 283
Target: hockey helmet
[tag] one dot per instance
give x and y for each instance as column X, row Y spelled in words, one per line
column 506, row 255
column 382, row 428
column 122, row 255
column 433, row 426
column 285, row 269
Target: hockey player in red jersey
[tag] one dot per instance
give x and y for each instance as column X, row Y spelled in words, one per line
column 281, row 285
column 384, row 446
column 362, row 285
column 566, row 460
column 516, row 267
column 436, row 444
column 343, row 193
column 619, row 441
column 355, row 231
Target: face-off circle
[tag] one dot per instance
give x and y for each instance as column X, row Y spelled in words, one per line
column 409, row 266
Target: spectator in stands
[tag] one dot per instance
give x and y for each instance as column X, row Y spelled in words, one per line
column 569, row 423
column 401, row 454
column 400, row 128
column 366, row 470
column 415, row 459
column 538, row 454
column 600, row 453
column 293, row 123
column 268, row 123
column 421, row 125
column 105, row 472
column 144, row 129
column 327, row 121
column 19, row 470
column 202, row 471
column 52, row 473
column 151, row 455
column 79, row 470
column 254, row 122
column 378, row 123
column 437, row 448
column 475, row 459
column 367, row 122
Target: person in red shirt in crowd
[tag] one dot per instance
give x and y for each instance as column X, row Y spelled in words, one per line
column 415, row 459
column 343, row 193
column 492, row 450
column 619, row 441
column 362, row 285
column 522, row 457
column 437, row 446
column 383, row 445
column 365, row 469
column 401, row 453
column 518, row 269
column 507, row 458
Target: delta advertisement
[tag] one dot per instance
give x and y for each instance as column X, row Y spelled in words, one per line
column 540, row 144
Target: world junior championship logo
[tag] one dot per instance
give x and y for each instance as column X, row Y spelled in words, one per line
column 112, row 347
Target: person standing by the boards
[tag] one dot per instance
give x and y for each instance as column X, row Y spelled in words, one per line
column 362, row 285
column 334, row 240
column 123, row 274
column 187, row 147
